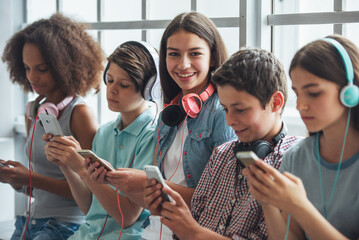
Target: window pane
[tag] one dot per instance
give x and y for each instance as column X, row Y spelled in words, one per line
column 352, row 5
column 287, row 41
column 352, row 32
column 37, row 9
column 231, row 39
column 80, row 10
column 111, row 39
column 215, row 8
column 154, row 37
column 302, row 6
column 166, row 9
column 121, row 10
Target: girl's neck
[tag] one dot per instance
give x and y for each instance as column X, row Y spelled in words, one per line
column 331, row 143
column 55, row 97
column 197, row 90
column 128, row 117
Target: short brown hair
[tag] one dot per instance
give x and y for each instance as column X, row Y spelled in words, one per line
column 203, row 27
column 255, row 71
column 74, row 58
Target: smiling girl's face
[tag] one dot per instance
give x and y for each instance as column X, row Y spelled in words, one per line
column 188, row 61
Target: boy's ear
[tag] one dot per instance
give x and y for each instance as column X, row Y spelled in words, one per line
column 277, row 101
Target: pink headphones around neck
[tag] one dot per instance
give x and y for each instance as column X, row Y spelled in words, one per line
column 33, row 106
column 181, row 106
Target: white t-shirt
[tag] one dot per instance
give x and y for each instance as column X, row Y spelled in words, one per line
column 170, row 162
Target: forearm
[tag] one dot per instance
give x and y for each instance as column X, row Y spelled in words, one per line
column 52, row 185
column 80, row 191
column 314, row 224
column 107, row 197
column 276, row 225
column 185, row 192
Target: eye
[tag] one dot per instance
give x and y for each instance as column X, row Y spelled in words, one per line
column 196, row 54
column 173, row 54
column 27, row 68
column 314, row 94
column 43, row 69
column 124, row 85
column 240, row 110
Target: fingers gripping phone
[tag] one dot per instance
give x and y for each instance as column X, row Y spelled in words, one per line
column 95, row 158
column 51, row 124
column 153, row 172
column 247, row 158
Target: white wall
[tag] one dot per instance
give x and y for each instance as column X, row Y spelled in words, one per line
column 11, row 102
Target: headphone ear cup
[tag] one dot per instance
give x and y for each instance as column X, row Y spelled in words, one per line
column 50, row 108
column 261, row 148
column 349, row 95
column 172, row 115
column 191, row 104
column 105, row 73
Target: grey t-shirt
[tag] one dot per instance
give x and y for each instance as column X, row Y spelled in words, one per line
column 46, row 204
column 343, row 211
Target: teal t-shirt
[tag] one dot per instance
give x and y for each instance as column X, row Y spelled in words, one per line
column 120, row 147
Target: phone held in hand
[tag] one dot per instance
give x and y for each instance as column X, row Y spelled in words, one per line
column 153, row 172
column 246, row 158
column 51, row 124
column 2, row 165
column 94, row 158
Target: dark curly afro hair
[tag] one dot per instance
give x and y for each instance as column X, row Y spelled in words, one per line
column 73, row 56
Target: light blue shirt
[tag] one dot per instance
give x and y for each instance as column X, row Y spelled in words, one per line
column 343, row 211
column 119, row 147
column 205, row 132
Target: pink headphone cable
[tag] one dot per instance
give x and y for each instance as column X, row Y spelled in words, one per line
column 30, row 172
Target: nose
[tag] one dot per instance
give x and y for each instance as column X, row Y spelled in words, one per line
column 184, row 63
column 112, row 88
column 32, row 76
column 301, row 104
column 230, row 119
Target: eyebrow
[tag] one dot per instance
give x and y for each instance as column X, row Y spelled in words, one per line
column 191, row 49
column 308, row 86
column 234, row 104
column 37, row 65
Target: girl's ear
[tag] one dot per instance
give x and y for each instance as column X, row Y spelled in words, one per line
column 277, row 101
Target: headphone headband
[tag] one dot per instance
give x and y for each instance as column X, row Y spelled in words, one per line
column 345, row 57
column 152, row 89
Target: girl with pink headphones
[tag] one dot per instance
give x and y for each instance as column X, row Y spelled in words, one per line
column 59, row 61
column 316, row 197
column 192, row 123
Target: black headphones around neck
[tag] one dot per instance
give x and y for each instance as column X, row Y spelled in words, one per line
column 261, row 147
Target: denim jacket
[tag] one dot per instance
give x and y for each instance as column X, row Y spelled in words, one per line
column 205, row 132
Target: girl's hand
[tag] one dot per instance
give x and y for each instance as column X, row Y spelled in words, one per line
column 268, row 185
column 177, row 216
column 63, row 152
column 152, row 196
column 14, row 173
column 128, row 180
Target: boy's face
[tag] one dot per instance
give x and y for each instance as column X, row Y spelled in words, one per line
column 246, row 116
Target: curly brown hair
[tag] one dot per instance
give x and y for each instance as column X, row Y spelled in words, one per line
column 73, row 56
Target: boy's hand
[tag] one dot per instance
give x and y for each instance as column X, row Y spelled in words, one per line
column 128, row 180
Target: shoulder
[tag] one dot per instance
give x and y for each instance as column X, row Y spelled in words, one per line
column 223, row 153
column 295, row 145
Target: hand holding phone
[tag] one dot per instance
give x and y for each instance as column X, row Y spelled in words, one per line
column 94, row 158
column 2, row 165
column 247, row 158
column 153, row 172
column 51, row 124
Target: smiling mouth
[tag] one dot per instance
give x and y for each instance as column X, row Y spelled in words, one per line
column 185, row 75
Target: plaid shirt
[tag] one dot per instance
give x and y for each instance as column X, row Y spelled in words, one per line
column 222, row 202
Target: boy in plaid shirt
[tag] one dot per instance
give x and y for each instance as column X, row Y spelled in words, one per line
column 252, row 87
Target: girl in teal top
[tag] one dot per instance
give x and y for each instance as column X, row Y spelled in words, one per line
column 125, row 143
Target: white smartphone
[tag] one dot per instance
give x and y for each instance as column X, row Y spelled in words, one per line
column 89, row 154
column 51, row 124
column 2, row 165
column 153, row 172
column 247, row 158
